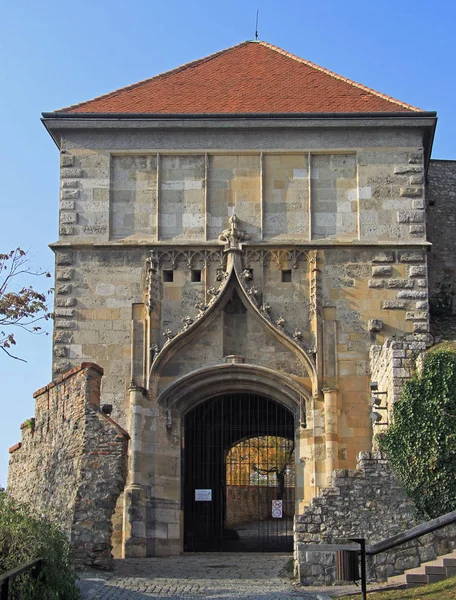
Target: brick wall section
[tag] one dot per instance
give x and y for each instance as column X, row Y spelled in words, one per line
column 441, row 218
column 71, row 463
column 366, row 502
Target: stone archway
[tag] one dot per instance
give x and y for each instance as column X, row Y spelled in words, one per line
column 232, row 377
column 276, row 388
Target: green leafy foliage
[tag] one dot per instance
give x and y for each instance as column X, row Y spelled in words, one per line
column 421, row 442
column 24, row 537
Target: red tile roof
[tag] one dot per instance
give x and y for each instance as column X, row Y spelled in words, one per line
column 252, row 77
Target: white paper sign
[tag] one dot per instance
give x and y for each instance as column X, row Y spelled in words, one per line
column 203, row 495
column 277, row 511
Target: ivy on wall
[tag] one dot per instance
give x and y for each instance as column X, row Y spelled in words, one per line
column 421, row 441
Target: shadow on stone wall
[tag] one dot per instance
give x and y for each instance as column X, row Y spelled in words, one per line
column 441, row 223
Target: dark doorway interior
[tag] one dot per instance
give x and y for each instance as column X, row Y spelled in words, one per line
column 238, row 475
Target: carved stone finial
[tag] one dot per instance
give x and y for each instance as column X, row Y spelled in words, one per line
column 280, row 322
column 221, row 275
column 233, row 235
column 168, row 334
column 187, row 321
column 201, row 306
column 297, row 335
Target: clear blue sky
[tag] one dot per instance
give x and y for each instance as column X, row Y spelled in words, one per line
column 53, row 54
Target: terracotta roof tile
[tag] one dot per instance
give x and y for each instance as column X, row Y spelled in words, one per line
column 252, row 77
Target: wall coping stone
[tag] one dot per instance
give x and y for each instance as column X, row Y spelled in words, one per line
column 67, row 375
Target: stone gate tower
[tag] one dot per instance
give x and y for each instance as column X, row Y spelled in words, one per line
column 238, row 239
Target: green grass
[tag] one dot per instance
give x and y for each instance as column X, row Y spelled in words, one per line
column 442, row 590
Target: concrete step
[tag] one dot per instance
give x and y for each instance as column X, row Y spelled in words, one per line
column 449, row 562
column 435, row 573
column 434, row 570
column 416, row 580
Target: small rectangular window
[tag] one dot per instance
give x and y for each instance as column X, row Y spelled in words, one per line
column 168, row 275
column 196, row 275
column 286, row 276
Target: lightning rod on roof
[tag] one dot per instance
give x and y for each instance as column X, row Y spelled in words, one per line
column 256, row 27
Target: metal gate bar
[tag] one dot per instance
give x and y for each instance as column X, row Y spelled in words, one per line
column 238, row 456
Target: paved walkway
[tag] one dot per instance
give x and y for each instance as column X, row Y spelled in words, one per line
column 218, row 577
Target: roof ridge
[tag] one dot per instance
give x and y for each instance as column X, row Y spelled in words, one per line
column 182, row 67
column 339, row 77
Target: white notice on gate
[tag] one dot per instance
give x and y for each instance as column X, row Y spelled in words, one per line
column 203, row 495
column 277, row 511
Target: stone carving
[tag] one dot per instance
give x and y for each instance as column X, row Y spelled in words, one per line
column 297, row 335
column 278, row 256
column 169, row 335
column 201, row 307
column 152, row 287
column 190, row 258
column 233, row 236
column 187, row 320
column 265, row 308
column 315, row 285
column 280, row 322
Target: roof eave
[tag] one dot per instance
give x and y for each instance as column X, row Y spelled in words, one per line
column 425, row 120
column 209, row 116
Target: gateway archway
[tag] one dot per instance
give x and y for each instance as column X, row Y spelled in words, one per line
column 238, row 475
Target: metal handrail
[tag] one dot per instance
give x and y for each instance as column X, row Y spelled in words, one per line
column 411, row 534
column 397, row 540
column 6, row 578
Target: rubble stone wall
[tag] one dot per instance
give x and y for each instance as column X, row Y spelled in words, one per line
column 367, row 502
column 71, row 463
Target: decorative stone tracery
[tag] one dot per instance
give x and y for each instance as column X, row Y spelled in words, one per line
column 234, row 263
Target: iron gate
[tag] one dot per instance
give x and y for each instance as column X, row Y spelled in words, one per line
column 239, row 475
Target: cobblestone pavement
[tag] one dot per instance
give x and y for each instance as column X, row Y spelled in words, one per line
column 218, row 577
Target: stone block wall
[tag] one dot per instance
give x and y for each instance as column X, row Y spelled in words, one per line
column 368, row 502
column 368, row 193
column 71, row 463
column 391, row 365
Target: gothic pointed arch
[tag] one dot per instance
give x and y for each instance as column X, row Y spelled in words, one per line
column 235, row 294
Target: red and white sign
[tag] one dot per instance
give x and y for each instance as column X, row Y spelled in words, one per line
column 277, row 510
